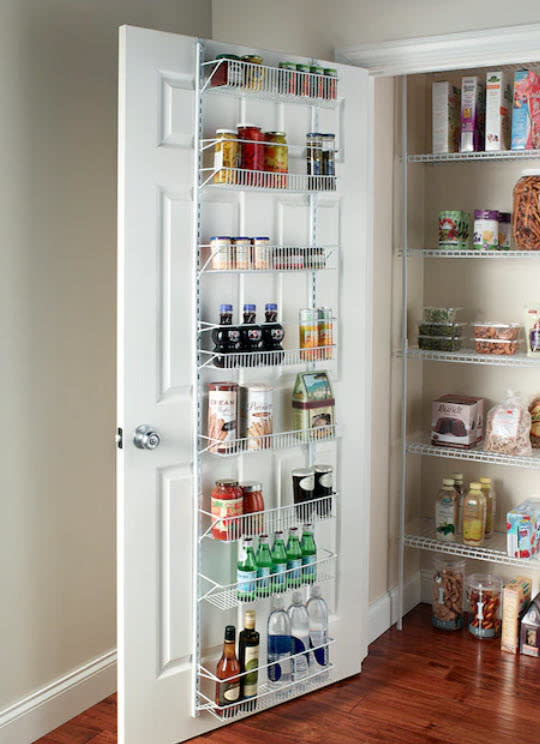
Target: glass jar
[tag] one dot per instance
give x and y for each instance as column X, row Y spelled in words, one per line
column 484, row 593
column 255, row 74
column 330, row 83
column 253, row 502
column 220, row 249
column 526, row 211
column 227, row 71
column 226, row 507
column 316, row 87
column 302, row 80
column 260, row 250
column 309, row 325
column 287, row 78
column 251, row 152
column 241, row 250
column 325, row 332
column 458, row 485
column 474, row 516
column 226, row 156
column 314, row 158
column 446, row 511
column 448, row 587
column 276, row 157
column 491, row 505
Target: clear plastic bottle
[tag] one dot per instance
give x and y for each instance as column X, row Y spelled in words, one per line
column 474, row 516
column 317, row 610
column 279, row 645
column 491, row 505
column 446, row 511
column 299, row 618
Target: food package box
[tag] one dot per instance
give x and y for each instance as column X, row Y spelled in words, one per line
column 445, row 117
column 498, row 109
column 473, row 114
column 523, row 529
column 530, row 629
column 313, row 402
column 526, row 111
column 516, row 599
column 457, row 421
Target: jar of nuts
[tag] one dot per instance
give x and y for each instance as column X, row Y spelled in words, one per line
column 447, row 606
column 484, row 592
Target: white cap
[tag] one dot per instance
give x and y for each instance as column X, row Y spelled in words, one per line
column 297, row 598
column 277, row 602
column 315, row 590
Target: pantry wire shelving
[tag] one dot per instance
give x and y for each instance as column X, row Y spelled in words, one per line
column 269, row 520
column 422, row 534
column 278, row 258
column 451, row 253
column 423, row 446
column 253, row 180
column 258, row 359
column 225, row 596
column 457, row 157
column 268, row 442
column 471, row 357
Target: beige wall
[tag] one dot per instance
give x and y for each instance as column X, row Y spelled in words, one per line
column 58, row 87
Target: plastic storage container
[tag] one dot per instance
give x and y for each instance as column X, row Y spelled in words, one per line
column 526, row 226
column 440, row 343
column 492, row 329
column 440, row 314
column 484, row 592
column 496, row 346
column 448, row 586
column 441, row 329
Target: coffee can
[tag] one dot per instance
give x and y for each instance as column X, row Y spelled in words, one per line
column 303, row 491
column 323, row 489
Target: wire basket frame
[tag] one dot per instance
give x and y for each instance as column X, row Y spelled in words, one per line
column 462, row 253
column 253, row 359
column 453, row 157
column 282, row 440
column 271, row 258
column 257, row 180
column 418, row 447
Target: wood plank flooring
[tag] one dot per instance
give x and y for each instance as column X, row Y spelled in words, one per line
column 420, row 686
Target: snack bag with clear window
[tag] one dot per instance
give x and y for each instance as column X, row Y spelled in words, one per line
column 508, row 427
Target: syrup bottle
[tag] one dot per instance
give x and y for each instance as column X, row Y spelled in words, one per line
column 226, row 337
column 250, row 334
column 272, row 333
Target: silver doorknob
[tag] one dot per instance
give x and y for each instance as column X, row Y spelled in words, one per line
column 145, row 438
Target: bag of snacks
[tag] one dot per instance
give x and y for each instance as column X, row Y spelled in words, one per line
column 508, row 427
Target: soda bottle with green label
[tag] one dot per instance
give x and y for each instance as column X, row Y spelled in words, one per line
column 246, row 574
column 309, row 555
column 294, row 559
column 264, row 567
column 279, row 563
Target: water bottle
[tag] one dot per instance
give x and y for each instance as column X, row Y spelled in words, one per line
column 279, row 645
column 317, row 610
column 300, row 636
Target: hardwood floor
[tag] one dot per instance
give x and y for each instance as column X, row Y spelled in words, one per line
column 420, row 686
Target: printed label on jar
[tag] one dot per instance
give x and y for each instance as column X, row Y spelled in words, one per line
column 326, row 481
column 225, row 509
column 230, row 692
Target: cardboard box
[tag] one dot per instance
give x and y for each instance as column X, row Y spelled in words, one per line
column 457, row 421
column 523, row 529
column 530, row 629
column 526, row 111
column 313, row 403
column 445, row 108
column 473, row 114
column 498, row 110
column 516, row 599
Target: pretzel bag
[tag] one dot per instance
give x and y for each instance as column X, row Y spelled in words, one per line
column 508, row 427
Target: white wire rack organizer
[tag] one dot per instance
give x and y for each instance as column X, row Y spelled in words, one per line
column 240, row 78
column 276, row 258
column 422, row 534
column 471, row 357
column 484, row 255
column 227, row 596
column 457, row 157
column 256, row 180
column 476, row 454
column 257, row 359
column 230, row 529
column 268, row 442
column 267, row 693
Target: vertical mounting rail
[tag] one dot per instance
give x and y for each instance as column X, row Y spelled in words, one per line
column 313, row 237
column 195, row 379
column 404, row 346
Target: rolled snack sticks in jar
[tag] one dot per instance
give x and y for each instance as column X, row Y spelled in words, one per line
column 222, row 416
column 484, row 593
column 256, row 418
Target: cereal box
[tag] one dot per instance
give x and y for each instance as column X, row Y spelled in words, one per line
column 457, row 421
column 498, row 109
column 313, row 403
column 473, row 114
column 523, row 529
column 520, row 114
column 445, row 99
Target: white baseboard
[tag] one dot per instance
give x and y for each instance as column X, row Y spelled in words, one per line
column 383, row 612
column 51, row 706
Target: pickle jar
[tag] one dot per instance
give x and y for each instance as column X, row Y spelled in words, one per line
column 227, row 71
column 447, row 595
column 330, row 83
column 484, row 593
column 254, row 72
column 226, row 156
column 302, row 80
column 276, row 158
column 287, row 78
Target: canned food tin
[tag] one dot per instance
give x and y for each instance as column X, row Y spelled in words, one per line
column 303, row 491
column 287, row 78
column 276, row 157
column 256, row 420
column 220, row 247
column 302, row 80
column 254, row 72
column 324, row 489
column 316, row 86
column 222, row 415
column 261, row 253
column 226, row 156
column 241, row 249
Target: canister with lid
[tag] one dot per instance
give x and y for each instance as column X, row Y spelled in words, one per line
column 220, row 248
column 260, row 250
column 241, row 251
column 303, row 491
column 448, row 587
column 227, row 71
column 324, row 489
column 526, row 211
column 484, row 592
column 486, row 230
column 222, row 416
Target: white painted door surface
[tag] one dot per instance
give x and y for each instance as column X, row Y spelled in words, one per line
column 157, row 381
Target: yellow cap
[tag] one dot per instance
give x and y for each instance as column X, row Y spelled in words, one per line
column 457, row 476
column 475, row 486
column 448, row 482
column 485, row 481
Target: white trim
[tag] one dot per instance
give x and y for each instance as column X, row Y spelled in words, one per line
column 49, row 707
column 383, row 612
column 495, row 46
column 426, row 584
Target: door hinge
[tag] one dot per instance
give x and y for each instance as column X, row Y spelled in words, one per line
column 119, row 438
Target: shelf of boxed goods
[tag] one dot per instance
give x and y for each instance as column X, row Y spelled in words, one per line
column 455, row 253
column 467, row 356
column 267, row 694
column 268, row 442
column 423, row 446
column 458, row 157
column 422, row 534
column 225, row 596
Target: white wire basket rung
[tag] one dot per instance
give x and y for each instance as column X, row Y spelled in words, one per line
column 267, row 442
column 472, row 357
column 227, row 597
column 272, row 258
column 272, row 83
column 455, row 253
column 255, row 180
column 453, row 157
column 419, row 447
column 422, row 534
column 251, row 359
column 229, row 529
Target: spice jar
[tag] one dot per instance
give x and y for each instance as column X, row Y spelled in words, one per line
column 226, row 500
column 486, row 230
column 474, row 516
column 226, row 156
column 253, row 502
column 526, row 227
column 484, row 592
column 276, row 158
column 448, row 584
column 491, row 504
column 254, row 72
column 227, row 71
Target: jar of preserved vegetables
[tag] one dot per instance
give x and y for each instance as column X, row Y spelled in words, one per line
column 302, row 80
column 226, row 508
column 251, row 152
column 287, row 78
column 330, row 83
column 314, row 158
column 227, row 71
column 276, row 157
column 255, row 74
column 316, row 86
column 226, row 156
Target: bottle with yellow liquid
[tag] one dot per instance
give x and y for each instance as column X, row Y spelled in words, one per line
column 474, row 516
column 489, row 493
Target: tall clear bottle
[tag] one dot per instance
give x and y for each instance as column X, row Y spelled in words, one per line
column 474, row 516
column 317, row 610
column 446, row 511
column 299, row 618
column 279, row 645
column 491, row 505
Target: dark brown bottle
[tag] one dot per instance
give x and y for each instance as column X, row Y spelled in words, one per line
column 228, row 669
column 248, row 652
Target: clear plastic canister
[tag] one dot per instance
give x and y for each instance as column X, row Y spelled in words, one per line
column 484, row 593
column 526, row 211
column 448, row 583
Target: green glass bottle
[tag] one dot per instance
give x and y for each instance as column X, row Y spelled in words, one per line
column 279, row 563
column 309, row 555
column 294, row 559
column 246, row 575
column 264, row 567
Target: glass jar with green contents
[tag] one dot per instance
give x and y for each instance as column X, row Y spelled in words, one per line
column 491, row 503
column 474, row 516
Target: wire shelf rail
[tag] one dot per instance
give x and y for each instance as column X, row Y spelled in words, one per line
column 257, row 359
column 268, row 442
column 455, row 253
column 471, row 357
column 456, row 157
column 258, row 180
column 476, row 454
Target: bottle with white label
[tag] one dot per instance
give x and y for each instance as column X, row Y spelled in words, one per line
column 298, row 615
column 446, row 511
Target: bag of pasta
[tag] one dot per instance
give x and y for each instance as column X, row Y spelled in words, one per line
column 508, row 427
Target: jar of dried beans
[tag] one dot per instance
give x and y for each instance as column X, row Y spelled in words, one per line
column 448, row 582
column 526, row 211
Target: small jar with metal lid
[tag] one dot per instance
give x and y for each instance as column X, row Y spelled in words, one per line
column 302, row 81
column 255, row 74
column 330, row 83
column 227, row 71
column 276, row 158
column 253, row 502
column 287, row 78
column 226, row 156
column 226, row 508
column 220, row 250
column 316, row 85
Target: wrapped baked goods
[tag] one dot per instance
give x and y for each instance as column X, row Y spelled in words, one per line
column 508, row 427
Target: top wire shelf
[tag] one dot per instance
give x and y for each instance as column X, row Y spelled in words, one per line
column 240, row 78
column 456, row 157
column 463, row 253
column 423, row 446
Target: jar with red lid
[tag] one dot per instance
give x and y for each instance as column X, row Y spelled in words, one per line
column 253, row 503
column 251, row 152
column 228, row 70
column 226, row 509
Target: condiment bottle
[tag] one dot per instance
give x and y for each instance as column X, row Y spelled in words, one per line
column 226, row 508
column 458, row 485
column 253, row 501
column 446, row 511
column 309, row 332
column 272, row 332
column 228, row 667
column 491, row 505
column 474, row 516
column 226, row 337
column 250, row 332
